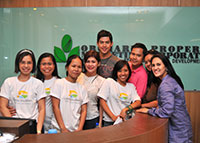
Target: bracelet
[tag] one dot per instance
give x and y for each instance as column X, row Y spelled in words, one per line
column 130, row 109
column 39, row 132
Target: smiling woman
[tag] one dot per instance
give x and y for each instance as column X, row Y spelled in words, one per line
column 171, row 101
column 47, row 72
column 24, row 89
column 92, row 82
column 116, row 95
column 69, row 99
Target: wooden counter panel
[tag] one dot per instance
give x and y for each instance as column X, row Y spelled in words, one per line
column 87, row 3
column 193, row 105
column 18, row 127
column 142, row 128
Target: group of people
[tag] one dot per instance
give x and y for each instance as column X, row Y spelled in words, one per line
column 98, row 89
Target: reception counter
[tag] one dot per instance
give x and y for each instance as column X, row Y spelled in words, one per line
column 18, row 127
column 141, row 128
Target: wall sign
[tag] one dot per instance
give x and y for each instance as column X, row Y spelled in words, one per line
column 173, row 31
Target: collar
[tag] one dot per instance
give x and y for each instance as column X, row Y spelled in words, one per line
column 136, row 70
column 165, row 77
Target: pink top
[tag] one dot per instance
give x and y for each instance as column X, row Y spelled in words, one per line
column 139, row 79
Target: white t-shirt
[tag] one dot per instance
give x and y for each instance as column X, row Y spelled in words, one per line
column 72, row 96
column 48, row 84
column 23, row 96
column 93, row 85
column 117, row 96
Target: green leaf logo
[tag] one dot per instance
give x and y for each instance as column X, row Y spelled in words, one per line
column 66, row 44
column 59, row 55
column 74, row 51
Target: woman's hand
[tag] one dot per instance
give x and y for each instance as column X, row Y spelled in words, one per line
column 142, row 110
column 12, row 110
column 64, row 130
column 78, row 130
column 123, row 113
column 114, row 118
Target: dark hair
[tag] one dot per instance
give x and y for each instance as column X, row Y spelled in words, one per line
column 152, row 52
column 39, row 74
column 89, row 54
column 20, row 55
column 170, row 69
column 151, row 77
column 104, row 33
column 142, row 46
column 118, row 66
column 69, row 60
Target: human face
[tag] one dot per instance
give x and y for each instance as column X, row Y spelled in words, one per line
column 26, row 65
column 158, row 68
column 122, row 75
column 136, row 57
column 91, row 66
column 104, row 44
column 47, row 67
column 147, row 61
column 74, row 69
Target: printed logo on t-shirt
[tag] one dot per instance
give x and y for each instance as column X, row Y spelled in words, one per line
column 123, row 96
column 47, row 91
column 22, row 94
column 73, row 94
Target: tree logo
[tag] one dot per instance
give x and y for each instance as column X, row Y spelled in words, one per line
column 66, row 44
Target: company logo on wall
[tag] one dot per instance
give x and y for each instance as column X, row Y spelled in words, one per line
column 122, row 51
column 177, row 54
column 180, row 54
column 66, row 48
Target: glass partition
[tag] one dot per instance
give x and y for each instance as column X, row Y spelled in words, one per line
column 172, row 30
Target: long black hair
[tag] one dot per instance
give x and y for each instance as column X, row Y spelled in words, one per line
column 39, row 74
column 151, row 77
column 169, row 67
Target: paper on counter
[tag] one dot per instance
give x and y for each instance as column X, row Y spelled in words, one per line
column 118, row 120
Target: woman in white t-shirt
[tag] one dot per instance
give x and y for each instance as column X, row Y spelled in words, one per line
column 24, row 92
column 117, row 96
column 92, row 82
column 69, row 99
column 47, row 72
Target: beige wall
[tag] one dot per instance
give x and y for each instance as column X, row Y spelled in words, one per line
column 81, row 3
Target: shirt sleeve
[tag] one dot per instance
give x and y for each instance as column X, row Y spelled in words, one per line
column 105, row 89
column 134, row 93
column 85, row 96
column 101, row 81
column 56, row 89
column 40, row 91
column 166, row 106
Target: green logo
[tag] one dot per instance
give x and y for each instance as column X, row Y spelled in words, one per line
column 66, row 43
